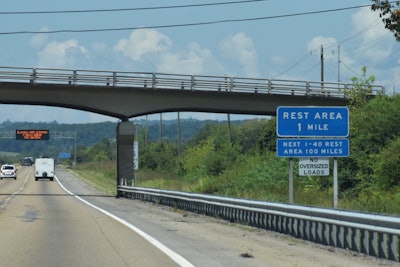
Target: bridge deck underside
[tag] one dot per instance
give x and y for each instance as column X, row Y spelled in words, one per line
column 128, row 102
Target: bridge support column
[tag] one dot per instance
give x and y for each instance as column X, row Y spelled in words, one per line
column 125, row 139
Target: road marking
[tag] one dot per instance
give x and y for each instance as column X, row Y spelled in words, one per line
column 181, row 261
column 5, row 202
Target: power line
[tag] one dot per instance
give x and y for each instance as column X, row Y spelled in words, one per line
column 124, row 9
column 292, row 66
column 347, row 67
column 308, row 70
column 184, row 24
column 371, row 44
column 390, row 56
column 330, row 46
column 365, row 29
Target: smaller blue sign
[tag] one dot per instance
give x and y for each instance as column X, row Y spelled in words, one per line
column 64, row 155
column 312, row 121
column 294, row 148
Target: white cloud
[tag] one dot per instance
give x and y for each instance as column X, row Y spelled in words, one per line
column 396, row 80
column 40, row 39
column 241, row 48
column 141, row 42
column 373, row 35
column 369, row 24
column 193, row 60
column 279, row 60
column 62, row 54
column 328, row 43
column 99, row 47
column 331, row 54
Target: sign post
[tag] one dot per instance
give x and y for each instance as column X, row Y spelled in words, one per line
column 335, row 184
column 291, row 180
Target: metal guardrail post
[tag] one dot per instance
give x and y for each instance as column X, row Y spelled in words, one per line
column 114, row 79
column 308, row 90
column 74, row 77
column 192, row 83
column 270, row 86
column 33, row 76
column 154, row 80
column 226, row 83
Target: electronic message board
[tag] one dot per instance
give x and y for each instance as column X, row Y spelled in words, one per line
column 32, row 134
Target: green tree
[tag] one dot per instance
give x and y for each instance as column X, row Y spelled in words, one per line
column 387, row 166
column 101, row 156
column 212, row 153
column 194, row 161
column 160, row 157
column 247, row 135
column 267, row 140
column 357, row 167
column 390, row 14
column 103, row 150
column 361, row 91
column 372, row 128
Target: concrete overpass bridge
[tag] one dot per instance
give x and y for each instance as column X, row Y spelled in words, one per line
column 125, row 95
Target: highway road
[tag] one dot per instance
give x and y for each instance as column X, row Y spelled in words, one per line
column 68, row 223
column 42, row 225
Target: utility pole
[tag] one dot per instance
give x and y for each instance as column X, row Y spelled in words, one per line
column 161, row 129
column 229, row 129
column 147, row 131
column 338, row 62
column 179, row 132
column 322, row 66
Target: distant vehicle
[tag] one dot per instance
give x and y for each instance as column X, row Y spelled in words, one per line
column 8, row 171
column 27, row 161
column 44, row 168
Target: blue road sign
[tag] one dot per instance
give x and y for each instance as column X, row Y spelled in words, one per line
column 64, row 155
column 293, row 148
column 312, row 121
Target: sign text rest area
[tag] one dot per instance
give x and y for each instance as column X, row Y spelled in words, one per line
column 312, row 131
column 312, row 121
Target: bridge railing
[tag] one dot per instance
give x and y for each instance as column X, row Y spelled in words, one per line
column 370, row 234
column 179, row 81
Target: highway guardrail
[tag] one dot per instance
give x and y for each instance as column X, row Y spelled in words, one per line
column 370, row 234
column 181, row 81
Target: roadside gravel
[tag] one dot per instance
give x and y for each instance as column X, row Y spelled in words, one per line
column 207, row 241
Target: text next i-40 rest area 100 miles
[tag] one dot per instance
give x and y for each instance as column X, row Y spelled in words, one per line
column 313, row 131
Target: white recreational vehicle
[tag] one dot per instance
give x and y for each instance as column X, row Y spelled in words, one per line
column 44, row 168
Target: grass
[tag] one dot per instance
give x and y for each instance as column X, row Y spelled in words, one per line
column 8, row 154
column 102, row 175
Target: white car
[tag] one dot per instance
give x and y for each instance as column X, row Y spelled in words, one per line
column 8, row 171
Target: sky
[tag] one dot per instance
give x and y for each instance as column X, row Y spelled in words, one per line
column 275, row 39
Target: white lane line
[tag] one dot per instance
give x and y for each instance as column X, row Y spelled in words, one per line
column 181, row 261
column 5, row 202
